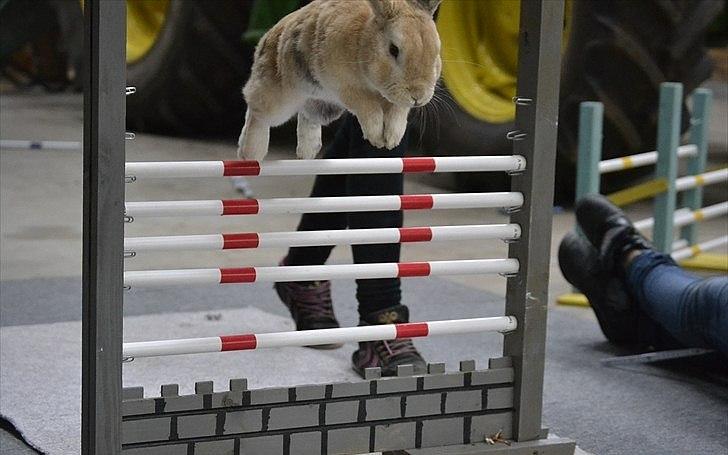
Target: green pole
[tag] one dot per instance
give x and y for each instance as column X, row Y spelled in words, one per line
column 699, row 132
column 591, row 115
column 668, row 140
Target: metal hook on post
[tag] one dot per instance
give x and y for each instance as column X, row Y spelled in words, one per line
column 127, row 359
column 129, row 136
column 508, row 274
column 129, row 254
column 516, row 135
column 521, row 101
column 130, row 90
column 128, row 219
column 130, row 179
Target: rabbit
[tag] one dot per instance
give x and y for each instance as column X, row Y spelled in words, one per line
column 374, row 58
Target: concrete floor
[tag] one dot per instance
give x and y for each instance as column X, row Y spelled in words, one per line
column 40, row 202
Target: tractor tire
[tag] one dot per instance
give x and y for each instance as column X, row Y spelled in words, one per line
column 619, row 51
column 190, row 82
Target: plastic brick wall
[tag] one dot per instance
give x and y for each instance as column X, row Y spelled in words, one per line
column 404, row 412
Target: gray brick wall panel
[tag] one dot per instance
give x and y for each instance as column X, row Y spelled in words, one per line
column 442, row 381
column 500, row 398
column 197, row 425
column 183, row 403
column 393, row 385
column 488, row 425
column 348, row 441
column 145, row 430
column 305, row 443
column 243, row 421
column 423, row 405
column 176, row 449
column 132, row 393
column 294, row 417
column 467, row 365
column 136, row 407
column 310, row 392
column 272, row 445
column 500, row 362
column 464, row 401
column 394, row 436
column 227, row 399
column 341, row 412
column 224, row 447
column 383, row 408
column 350, row 389
column 265, row 396
column 498, row 376
column 442, row 432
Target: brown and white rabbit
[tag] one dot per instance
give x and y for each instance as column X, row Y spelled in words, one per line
column 375, row 58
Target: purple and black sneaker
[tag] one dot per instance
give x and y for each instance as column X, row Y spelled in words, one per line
column 310, row 306
column 387, row 355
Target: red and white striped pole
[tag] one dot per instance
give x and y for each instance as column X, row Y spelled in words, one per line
column 186, row 277
column 183, row 169
column 245, row 240
column 323, row 204
column 250, row 341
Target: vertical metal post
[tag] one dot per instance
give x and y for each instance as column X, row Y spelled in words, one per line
column 591, row 115
column 103, row 225
column 539, row 68
column 699, row 131
column 668, row 140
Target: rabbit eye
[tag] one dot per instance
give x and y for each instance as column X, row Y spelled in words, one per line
column 393, row 50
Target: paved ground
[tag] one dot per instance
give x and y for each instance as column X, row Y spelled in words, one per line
column 40, row 202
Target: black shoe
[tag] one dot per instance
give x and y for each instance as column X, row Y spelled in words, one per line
column 617, row 315
column 609, row 231
column 387, row 355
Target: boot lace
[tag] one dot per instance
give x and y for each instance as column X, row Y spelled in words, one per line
column 313, row 300
column 392, row 349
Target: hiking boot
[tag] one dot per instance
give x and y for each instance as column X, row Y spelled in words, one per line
column 609, row 231
column 387, row 354
column 310, row 306
column 617, row 315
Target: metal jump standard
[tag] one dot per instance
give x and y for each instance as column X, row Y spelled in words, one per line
column 471, row 411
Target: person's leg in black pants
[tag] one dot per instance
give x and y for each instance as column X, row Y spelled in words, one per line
column 379, row 299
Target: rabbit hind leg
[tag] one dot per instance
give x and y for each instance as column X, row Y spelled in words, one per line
column 254, row 138
column 314, row 114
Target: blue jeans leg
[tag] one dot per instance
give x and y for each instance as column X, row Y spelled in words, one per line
column 693, row 310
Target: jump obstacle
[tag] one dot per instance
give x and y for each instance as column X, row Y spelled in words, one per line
column 666, row 184
column 437, row 412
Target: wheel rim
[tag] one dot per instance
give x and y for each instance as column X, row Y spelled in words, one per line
column 144, row 21
column 480, row 55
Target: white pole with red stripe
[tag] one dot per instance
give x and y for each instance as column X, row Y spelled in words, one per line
column 246, row 342
column 185, row 277
column 183, row 169
column 244, row 240
column 323, row 204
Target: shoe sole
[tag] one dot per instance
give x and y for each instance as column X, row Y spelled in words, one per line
column 326, row 347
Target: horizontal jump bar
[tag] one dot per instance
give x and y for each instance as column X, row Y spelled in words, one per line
column 694, row 250
column 685, row 216
column 709, row 178
column 184, row 277
column 252, row 341
column 642, row 159
column 244, row 240
column 323, row 204
column 180, row 169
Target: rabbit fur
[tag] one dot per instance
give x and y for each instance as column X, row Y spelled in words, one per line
column 374, row 58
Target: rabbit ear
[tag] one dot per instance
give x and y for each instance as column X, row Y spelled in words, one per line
column 383, row 8
column 429, row 5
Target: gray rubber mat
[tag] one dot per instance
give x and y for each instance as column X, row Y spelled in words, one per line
column 642, row 409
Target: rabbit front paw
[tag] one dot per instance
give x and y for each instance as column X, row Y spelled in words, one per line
column 373, row 132
column 393, row 133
